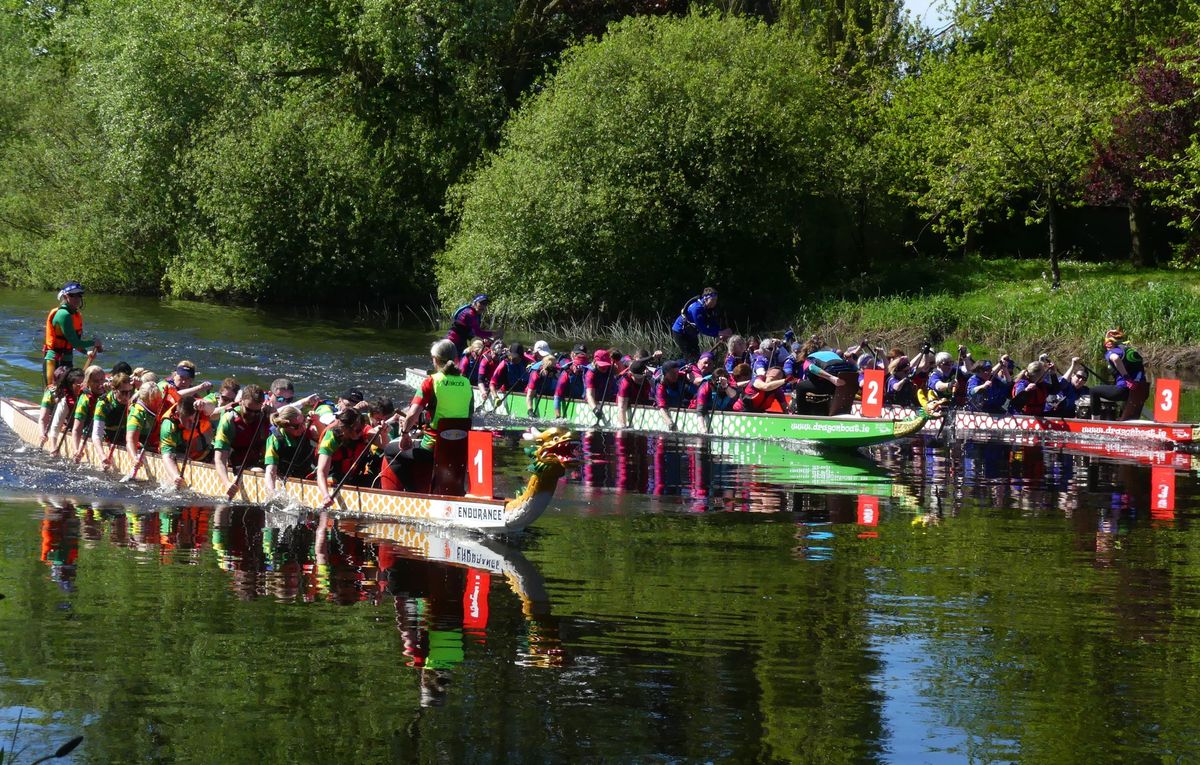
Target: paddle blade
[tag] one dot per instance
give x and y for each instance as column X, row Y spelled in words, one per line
column 68, row 747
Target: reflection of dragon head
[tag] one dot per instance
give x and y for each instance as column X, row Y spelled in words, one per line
column 552, row 446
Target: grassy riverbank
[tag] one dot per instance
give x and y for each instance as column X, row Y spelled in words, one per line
column 1007, row 305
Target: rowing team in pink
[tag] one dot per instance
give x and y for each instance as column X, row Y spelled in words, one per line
column 783, row 375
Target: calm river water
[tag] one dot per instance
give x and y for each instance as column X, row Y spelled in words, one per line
column 683, row 601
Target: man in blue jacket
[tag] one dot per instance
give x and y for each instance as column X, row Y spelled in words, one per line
column 697, row 317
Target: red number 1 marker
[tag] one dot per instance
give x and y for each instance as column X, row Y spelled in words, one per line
column 479, row 463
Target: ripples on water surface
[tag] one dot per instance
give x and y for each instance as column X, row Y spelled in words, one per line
column 685, row 601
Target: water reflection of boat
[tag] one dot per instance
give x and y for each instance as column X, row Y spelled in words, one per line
column 444, row 546
column 774, row 461
column 550, row 453
column 1033, row 476
column 438, row 582
column 663, row 465
column 843, row 431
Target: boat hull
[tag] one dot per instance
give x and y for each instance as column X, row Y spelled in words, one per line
column 493, row 516
column 845, row 431
column 1139, row 431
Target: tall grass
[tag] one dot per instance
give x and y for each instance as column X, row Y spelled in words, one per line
column 625, row 333
column 1158, row 311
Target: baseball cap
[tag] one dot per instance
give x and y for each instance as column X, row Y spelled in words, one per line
column 353, row 395
column 602, row 359
column 542, row 348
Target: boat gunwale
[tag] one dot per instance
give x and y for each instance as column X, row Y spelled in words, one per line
column 650, row 408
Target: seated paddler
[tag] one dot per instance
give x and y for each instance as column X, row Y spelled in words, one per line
column 185, row 436
column 1065, row 392
column 241, row 437
column 343, row 455
column 827, row 373
column 85, row 409
column 108, row 422
column 145, row 417
column 543, row 378
column 985, row 393
column 289, row 449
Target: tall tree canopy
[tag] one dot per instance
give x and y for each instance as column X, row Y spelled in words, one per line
column 670, row 154
column 559, row 153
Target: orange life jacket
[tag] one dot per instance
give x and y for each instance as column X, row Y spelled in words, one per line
column 197, row 435
column 55, row 341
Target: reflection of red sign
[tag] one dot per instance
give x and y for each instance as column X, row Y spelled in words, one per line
column 872, row 393
column 1162, row 493
column 475, row 600
column 1166, row 400
column 868, row 510
column 479, row 463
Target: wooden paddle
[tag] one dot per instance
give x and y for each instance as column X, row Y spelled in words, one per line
column 353, row 469
column 137, row 464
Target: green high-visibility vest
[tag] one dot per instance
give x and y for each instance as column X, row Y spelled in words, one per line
column 454, row 402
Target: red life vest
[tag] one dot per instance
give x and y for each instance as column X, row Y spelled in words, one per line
column 1035, row 398
column 776, row 402
column 755, row 400
column 343, row 459
column 249, row 441
column 55, row 341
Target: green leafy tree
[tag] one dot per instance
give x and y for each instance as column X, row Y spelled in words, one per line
column 980, row 142
column 670, row 154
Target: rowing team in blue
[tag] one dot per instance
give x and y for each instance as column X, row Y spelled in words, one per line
column 784, row 375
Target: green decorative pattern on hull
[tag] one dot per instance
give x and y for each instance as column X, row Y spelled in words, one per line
column 843, row 431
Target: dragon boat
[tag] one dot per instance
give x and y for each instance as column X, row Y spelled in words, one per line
column 841, row 431
column 552, row 451
column 1145, row 433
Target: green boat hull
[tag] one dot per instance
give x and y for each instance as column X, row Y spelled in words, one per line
column 844, row 431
